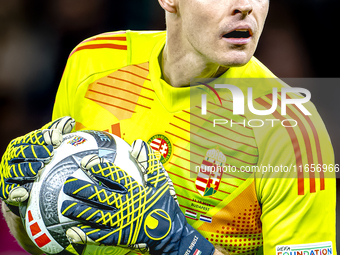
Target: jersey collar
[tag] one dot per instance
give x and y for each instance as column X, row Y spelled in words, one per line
column 175, row 99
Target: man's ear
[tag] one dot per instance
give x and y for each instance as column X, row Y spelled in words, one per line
column 168, row 5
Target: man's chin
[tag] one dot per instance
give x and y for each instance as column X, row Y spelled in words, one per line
column 235, row 60
column 235, row 63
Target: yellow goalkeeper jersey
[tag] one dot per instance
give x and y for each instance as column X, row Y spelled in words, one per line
column 268, row 195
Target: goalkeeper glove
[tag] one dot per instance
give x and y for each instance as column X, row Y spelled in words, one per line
column 118, row 211
column 25, row 156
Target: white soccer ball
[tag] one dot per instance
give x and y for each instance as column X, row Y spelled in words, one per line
column 42, row 218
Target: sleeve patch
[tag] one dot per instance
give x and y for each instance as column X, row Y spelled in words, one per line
column 324, row 248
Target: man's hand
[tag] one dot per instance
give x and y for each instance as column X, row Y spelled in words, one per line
column 118, row 211
column 26, row 155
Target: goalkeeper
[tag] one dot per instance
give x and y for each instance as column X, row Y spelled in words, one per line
column 137, row 86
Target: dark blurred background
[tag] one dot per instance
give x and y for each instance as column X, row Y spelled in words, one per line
column 300, row 40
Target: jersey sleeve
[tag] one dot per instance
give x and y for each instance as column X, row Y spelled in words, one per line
column 295, row 183
column 93, row 58
column 62, row 105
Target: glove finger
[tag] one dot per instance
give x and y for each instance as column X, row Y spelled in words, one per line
column 102, row 171
column 13, row 193
column 78, row 236
column 29, row 152
column 63, row 124
column 90, row 161
column 90, row 214
column 92, row 193
column 27, row 169
column 88, row 235
column 147, row 158
column 52, row 137
column 34, row 137
column 83, row 234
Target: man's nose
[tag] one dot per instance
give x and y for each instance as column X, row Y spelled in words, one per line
column 243, row 7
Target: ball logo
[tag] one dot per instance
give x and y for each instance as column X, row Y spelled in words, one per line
column 77, row 140
column 157, row 224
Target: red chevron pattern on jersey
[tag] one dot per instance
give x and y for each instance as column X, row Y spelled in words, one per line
column 307, row 138
column 107, row 40
column 120, row 91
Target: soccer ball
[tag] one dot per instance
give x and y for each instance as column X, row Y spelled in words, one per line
column 44, row 223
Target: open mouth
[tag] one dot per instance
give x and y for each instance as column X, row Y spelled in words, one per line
column 238, row 33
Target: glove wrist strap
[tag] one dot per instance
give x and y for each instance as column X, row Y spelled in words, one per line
column 195, row 244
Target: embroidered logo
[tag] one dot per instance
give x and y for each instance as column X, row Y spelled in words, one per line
column 163, row 145
column 157, row 224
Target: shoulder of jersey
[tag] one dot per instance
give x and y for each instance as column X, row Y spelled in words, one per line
column 121, row 48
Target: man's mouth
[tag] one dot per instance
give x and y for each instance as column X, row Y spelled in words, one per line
column 238, row 36
column 238, row 33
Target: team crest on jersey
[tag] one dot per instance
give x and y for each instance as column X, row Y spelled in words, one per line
column 163, row 145
column 209, row 177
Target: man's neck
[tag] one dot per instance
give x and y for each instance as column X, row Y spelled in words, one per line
column 180, row 63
